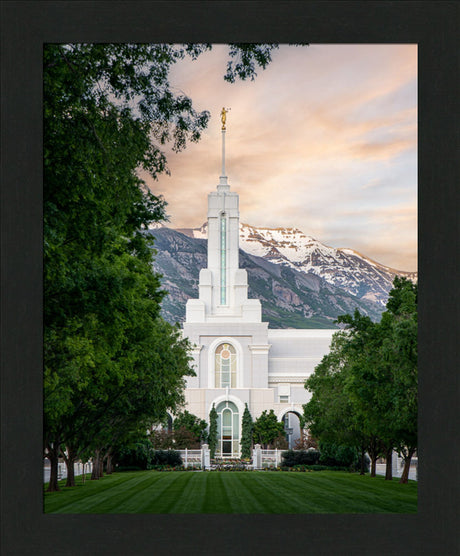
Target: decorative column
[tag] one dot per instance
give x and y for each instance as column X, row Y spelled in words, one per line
column 205, row 457
column 257, row 457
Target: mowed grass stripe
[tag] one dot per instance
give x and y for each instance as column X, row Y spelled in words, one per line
column 372, row 494
column 68, row 498
column 148, row 496
column 322, row 497
column 266, row 492
column 190, row 499
column 162, row 496
column 119, row 499
column 360, row 494
column 118, row 493
column 217, row 500
column 109, row 493
column 246, row 494
column 235, row 492
column 284, row 496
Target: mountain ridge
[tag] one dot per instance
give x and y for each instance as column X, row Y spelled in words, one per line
column 342, row 267
column 291, row 297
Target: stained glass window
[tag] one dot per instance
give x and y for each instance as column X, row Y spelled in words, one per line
column 225, row 366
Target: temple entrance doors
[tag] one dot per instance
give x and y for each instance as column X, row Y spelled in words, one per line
column 228, row 433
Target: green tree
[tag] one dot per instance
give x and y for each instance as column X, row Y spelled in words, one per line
column 385, row 378
column 212, row 435
column 267, row 428
column 330, row 414
column 367, row 386
column 193, row 424
column 108, row 110
column 400, row 353
column 368, row 382
column 246, row 433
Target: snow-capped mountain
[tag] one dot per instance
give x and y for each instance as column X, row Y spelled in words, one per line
column 290, row 297
column 341, row 267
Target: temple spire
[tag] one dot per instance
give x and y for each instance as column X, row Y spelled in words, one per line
column 223, row 116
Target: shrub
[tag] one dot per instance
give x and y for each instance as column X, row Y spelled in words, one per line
column 341, row 456
column 169, row 458
column 169, row 468
column 128, row 468
column 246, row 433
column 292, row 458
column 336, row 455
column 212, row 437
column 135, row 456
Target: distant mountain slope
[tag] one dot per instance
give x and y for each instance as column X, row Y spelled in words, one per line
column 344, row 268
column 290, row 297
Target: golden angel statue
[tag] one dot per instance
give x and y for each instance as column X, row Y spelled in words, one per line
column 223, row 115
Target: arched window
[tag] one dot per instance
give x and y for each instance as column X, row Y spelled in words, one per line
column 225, row 366
column 228, row 430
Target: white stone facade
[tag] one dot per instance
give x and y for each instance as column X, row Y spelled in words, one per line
column 238, row 360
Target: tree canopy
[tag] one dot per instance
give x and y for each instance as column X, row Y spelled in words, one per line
column 364, row 391
column 193, row 427
column 111, row 364
column 267, row 428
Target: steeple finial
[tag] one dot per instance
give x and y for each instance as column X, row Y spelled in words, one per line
column 223, row 117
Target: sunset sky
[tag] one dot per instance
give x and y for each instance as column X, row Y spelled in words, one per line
column 324, row 140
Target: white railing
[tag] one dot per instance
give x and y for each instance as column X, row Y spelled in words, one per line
column 192, row 458
column 79, row 469
column 271, row 458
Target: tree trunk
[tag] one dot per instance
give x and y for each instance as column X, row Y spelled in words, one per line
column 389, row 464
column 70, row 482
column 101, row 466
column 53, row 455
column 373, row 464
column 96, row 472
column 69, row 461
column 109, row 466
column 407, row 459
column 363, row 452
column 374, row 450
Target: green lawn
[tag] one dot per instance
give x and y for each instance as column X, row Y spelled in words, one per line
column 234, row 492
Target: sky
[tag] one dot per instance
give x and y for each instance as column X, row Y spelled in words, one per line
column 324, row 140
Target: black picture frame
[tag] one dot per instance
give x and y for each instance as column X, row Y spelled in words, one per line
column 25, row 27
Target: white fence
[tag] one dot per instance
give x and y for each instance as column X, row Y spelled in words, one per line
column 398, row 466
column 193, row 458
column 268, row 458
column 79, row 469
column 261, row 459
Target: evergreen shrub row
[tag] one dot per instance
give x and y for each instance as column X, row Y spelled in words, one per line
column 143, row 456
column 329, row 456
column 292, row 458
column 317, row 467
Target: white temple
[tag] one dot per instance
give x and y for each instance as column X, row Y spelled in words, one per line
column 237, row 358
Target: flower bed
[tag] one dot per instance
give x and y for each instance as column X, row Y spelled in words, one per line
column 230, row 464
column 175, row 468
